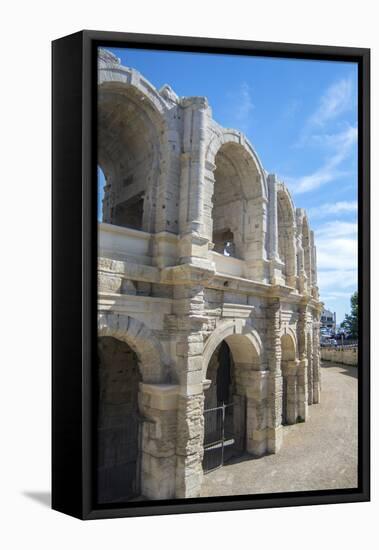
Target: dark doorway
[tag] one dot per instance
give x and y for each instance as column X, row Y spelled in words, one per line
column 118, row 422
column 219, row 439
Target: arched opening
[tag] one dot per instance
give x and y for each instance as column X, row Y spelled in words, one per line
column 219, row 437
column 230, row 416
column 288, row 356
column 129, row 148
column 236, row 181
column 286, row 236
column 101, row 183
column 119, row 431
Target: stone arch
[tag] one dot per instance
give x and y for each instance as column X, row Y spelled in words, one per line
column 225, row 136
column 291, row 333
column 141, row 340
column 288, row 344
column 110, row 70
column 232, row 365
column 287, row 234
column 243, row 340
column 237, row 193
column 132, row 147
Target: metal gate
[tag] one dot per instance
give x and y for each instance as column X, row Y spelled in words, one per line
column 219, row 441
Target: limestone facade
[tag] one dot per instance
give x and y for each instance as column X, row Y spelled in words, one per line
column 199, row 245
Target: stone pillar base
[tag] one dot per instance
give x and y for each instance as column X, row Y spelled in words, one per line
column 256, row 443
column 302, row 391
column 189, row 446
column 274, row 439
column 257, row 414
column 158, row 406
column 316, row 393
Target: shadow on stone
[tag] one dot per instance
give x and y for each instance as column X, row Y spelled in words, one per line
column 348, row 370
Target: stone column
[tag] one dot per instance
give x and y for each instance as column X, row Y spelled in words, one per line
column 195, row 110
column 290, row 374
column 255, row 252
column 308, row 267
column 314, row 267
column 310, row 366
column 302, row 393
column 303, row 361
column 302, row 278
column 313, row 260
column 158, row 405
column 256, row 413
column 316, row 357
column 291, row 266
column 189, row 448
column 276, row 264
column 274, row 381
column 273, row 248
column 187, row 324
column 193, row 242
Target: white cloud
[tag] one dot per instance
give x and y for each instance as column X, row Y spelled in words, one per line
column 335, row 229
column 336, row 295
column 337, row 260
column 338, row 254
column 341, row 145
column 328, row 208
column 241, row 107
column 335, row 140
column 338, row 99
column 340, row 279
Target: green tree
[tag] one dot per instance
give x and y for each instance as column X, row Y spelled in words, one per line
column 350, row 322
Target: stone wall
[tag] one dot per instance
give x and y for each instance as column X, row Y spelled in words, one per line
column 170, row 293
column 340, row 354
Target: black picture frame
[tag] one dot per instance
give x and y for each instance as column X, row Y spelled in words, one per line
column 74, row 232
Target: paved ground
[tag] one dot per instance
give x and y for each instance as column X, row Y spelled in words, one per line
column 318, row 454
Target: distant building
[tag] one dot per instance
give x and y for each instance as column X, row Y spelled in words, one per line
column 328, row 320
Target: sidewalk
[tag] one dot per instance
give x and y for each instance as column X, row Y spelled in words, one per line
column 318, row 454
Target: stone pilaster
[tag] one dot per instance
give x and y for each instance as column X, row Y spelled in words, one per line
column 189, row 312
column 316, row 358
column 195, row 111
column 302, row 277
column 255, row 254
column 302, row 393
column 277, row 266
column 273, row 248
column 303, row 359
column 274, row 416
column 291, row 380
column 189, row 448
column 291, row 264
column 310, row 366
column 158, row 405
column 274, row 380
column 257, row 413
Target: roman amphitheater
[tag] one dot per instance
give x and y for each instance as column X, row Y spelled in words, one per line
column 208, row 306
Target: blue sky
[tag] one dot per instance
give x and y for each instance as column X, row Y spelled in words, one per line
column 301, row 117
